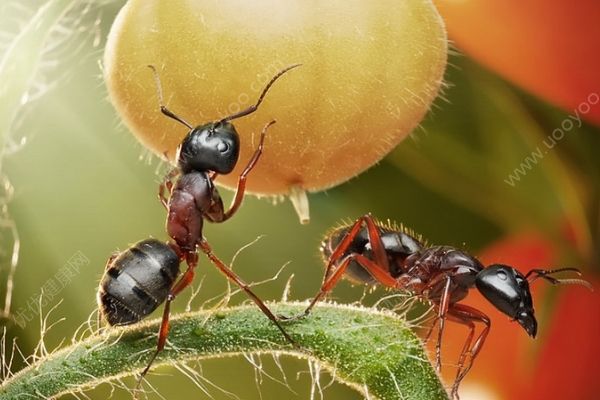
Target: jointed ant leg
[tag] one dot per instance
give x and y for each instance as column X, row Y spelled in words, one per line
column 430, row 330
column 254, row 107
column 166, row 185
column 329, row 282
column 163, row 108
column 467, row 315
column 374, row 239
column 205, row 247
column 241, row 186
column 378, row 268
column 373, row 268
column 442, row 310
column 183, row 282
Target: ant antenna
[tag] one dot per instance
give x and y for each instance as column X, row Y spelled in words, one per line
column 544, row 274
column 164, row 109
column 253, row 108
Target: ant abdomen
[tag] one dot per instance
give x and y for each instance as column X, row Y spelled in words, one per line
column 136, row 281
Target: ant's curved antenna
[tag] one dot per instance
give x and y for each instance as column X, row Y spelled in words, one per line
column 163, row 108
column 544, row 274
column 253, row 108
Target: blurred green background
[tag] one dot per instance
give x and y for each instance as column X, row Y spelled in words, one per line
column 83, row 184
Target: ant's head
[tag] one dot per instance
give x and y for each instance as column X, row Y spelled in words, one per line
column 508, row 290
column 211, row 147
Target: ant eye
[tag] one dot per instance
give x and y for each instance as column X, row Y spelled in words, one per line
column 222, row 147
column 501, row 275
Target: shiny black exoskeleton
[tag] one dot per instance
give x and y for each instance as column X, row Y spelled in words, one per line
column 370, row 252
column 502, row 285
column 508, row 290
column 136, row 281
column 211, row 147
column 206, row 150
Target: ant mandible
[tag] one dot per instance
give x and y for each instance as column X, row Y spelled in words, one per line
column 370, row 252
column 206, row 151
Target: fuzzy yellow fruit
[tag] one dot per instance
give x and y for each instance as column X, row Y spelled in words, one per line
column 370, row 72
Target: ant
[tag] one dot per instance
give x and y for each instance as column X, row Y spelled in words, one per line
column 142, row 277
column 370, row 252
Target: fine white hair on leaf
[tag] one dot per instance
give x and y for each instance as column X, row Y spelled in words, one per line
column 152, row 390
column 194, row 293
column 258, row 371
column 79, row 394
column 255, row 360
column 244, row 247
column 219, row 388
column 9, row 357
column 277, row 361
column 224, row 298
column 232, row 264
column 366, row 392
column 5, row 365
column 41, row 351
column 194, row 377
column 86, row 328
column 314, row 368
column 332, row 380
column 287, row 289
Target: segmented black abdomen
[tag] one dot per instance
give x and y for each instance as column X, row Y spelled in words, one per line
column 137, row 281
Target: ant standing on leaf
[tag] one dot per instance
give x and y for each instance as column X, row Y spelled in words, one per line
column 142, row 277
column 370, row 252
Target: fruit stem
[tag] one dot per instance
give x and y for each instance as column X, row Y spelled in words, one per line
column 300, row 201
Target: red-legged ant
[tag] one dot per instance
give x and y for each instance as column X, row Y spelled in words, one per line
column 370, row 252
column 139, row 279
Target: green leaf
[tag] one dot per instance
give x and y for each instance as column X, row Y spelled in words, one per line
column 372, row 351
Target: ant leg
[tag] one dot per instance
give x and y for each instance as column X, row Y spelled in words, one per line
column 374, row 239
column 372, row 267
column 163, row 108
column 163, row 333
column 328, row 284
column 205, row 247
column 241, row 186
column 380, row 263
column 430, row 330
column 253, row 108
column 166, row 185
column 442, row 311
column 467, row 315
